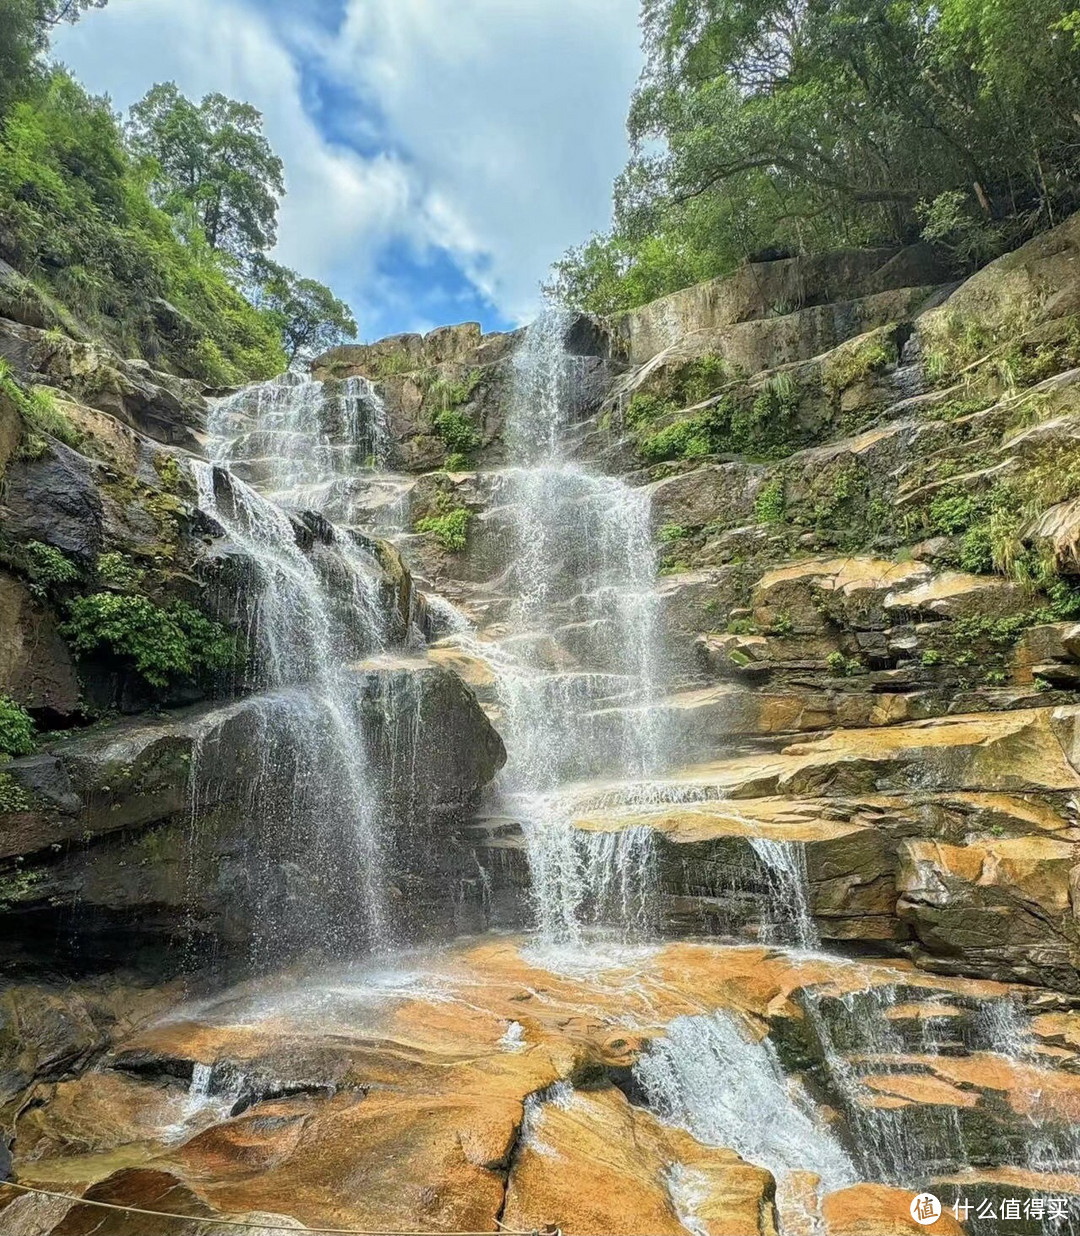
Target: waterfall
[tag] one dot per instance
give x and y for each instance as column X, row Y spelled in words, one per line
column 315, row 609
column 300, row 441
column 583, row 565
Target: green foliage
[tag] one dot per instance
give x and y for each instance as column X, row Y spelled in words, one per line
column 456, row 462
column 859, row 360
column 48, row 567
column 954, row 511
column 391, row 364
column 162, row 644
column 76, row 217
column 116, row 571
column 452, row 425
column 841, row 666
column 742, row 626
column 169, row 470
column 17, row 728
column 761, row 423
column 450, row 527
column 670, row 533
column 765, row 128
column 41, row 414
column 645, row 407
column 689, row 438
column 931, row 657
column 782, row 624
column 770, row 505
column 312, row 319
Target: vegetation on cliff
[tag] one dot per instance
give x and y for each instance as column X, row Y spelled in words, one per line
column 776, row 127
column 153, row 235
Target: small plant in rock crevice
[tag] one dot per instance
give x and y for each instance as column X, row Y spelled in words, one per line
column 17, row 728
column 447, row 522
column 48, row 567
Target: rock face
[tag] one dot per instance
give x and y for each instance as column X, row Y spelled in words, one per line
column 520, row 1094
column 149, row 877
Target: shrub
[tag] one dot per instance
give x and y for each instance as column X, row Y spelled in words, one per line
column 116, row 571
column 16, row 728
column 770, row 505
column 450, row 528
column 456, row 462
column 644, row 408
column 685, row 439
column 672, row 532
column 48, row 566
column 457, row 431
column 161, row 644
column 952, row 512
column 841, row 666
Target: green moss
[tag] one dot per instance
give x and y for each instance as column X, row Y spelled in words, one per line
column 169, row 470
column 782, row 624
column 861, row 359
column 12, row 796
column 742, row 626
column 17, row 728
column 161, row 644
column 770, row 505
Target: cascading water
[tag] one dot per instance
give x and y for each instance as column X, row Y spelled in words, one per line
column 582, row 572
column 315, row 609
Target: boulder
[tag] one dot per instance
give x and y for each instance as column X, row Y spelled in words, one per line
column 168, row 409
column 56, row 499
column 954, row 594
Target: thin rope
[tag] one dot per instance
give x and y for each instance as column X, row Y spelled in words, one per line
column 245, row 1223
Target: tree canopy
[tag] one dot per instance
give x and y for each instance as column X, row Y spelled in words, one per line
column 213, row 165
column 312, row 318
column 797, row 125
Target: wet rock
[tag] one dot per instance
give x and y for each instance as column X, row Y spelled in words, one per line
column 999, row 908
column 36, row 669
column 56, row 499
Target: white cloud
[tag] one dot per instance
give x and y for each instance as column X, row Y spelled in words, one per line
column 502, row 122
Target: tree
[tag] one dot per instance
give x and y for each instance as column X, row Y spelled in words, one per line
column 25, row 26
column 213, row 166
column 311, row 316
column 800, row 125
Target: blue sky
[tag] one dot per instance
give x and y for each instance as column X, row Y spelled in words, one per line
column 439, row 154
